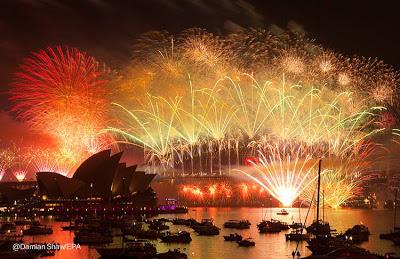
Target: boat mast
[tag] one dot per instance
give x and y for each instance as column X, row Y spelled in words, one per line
column 323, row 205
column 319, row 186
column 298, row 203
column 395, row 209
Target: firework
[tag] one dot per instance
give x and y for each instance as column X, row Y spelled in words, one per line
column 218, row 193
column 62, row 92
column 51, row 161
column 6, row 160
column 276, row 96
column 200, row 103
column 284, row 171
column 20, row 175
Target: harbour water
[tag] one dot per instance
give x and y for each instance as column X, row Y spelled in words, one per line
column 267, row 245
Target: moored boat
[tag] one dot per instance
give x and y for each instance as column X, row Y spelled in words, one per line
column 237, row 224
column 148, row 234
column 297, row 235
column 38, row 230
column 246, row 242
column 178, row 221
column 206, row 228
column 357, row 234
column 129, row 250
column 172, row 254
column 158, row 225
column 272, row 226
column 282, row 212
column 180, row 237
column 233, row 237
column 92, row 238
column 296, row 225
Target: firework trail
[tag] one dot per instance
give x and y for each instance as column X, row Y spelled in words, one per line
column 51, row 161
column 248, row 94
column 6, row 159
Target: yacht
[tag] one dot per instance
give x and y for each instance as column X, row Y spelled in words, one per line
column 282, row 212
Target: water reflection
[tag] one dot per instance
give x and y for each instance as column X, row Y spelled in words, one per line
column 267, row 245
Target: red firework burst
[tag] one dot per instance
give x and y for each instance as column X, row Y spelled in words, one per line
column 62, row 92
column 53, row 79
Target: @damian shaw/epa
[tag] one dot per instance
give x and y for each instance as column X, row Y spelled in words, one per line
column 46, row 246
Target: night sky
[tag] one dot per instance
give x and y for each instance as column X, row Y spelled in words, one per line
column 106, row 29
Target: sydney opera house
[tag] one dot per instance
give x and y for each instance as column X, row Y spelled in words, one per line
column 102, row 177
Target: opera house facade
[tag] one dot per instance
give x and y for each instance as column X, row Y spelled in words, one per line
column 100, row 177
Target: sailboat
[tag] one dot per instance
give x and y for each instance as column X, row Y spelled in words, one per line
column 271, row 226
column 297, row 230
column 319, row 227
column 297, row 225
column 323, row 243
column 395, row 234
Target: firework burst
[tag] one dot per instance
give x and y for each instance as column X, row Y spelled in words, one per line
column 62, row 92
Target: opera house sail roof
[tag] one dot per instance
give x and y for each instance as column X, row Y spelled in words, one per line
column 101, row 175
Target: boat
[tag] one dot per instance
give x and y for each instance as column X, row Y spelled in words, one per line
column 320, row 228
column 297, row 231
column 16, row 254
column 171, row 207
column 322, row 242
column 191, row 222
column 272, row 226
column 282, row 212
column 269, row 229
column 206, row 228
column 237, row 224
column 92, row 238
column 132, row 230
column 148, row 234
column 172, row 254
column 158, row 225
column 38, row 230
column 62, row 219
column 178, row 221
column 137, row 249
column 49, row 249
column 393, row 235
column 297, row 235
column 180, row 237
column 7, row 227
column 352, row 252
column 296, row 225
column 175, row 210
column 72, row 227
column 246, row 242
column 23, row 222
column 7, row 251
column 357, row 234
column 233, row 237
